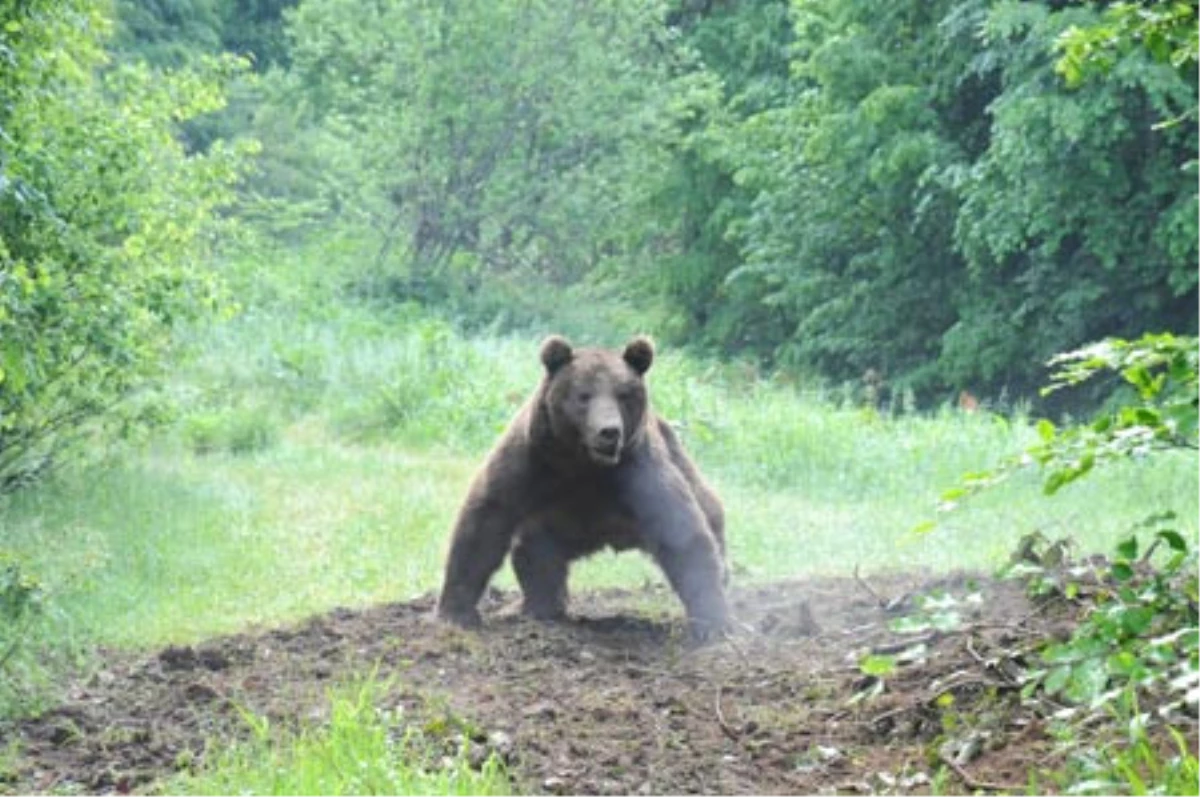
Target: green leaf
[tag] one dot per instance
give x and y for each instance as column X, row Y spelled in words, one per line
column 1189, row 642
column 909, row 625
column 1128, row 548
column 877, row 665
column 924, row 527
column 1057, row 679
column 1121, row 571
column 1174, row 540
column 1088, row 681
column 1137, row 620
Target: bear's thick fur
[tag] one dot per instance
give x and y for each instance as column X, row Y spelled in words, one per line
column 587, row 464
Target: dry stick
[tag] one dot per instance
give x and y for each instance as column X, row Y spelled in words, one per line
column 905, row 644
column 879, row 599
column 993, row 664
column 1150, row 551
column 974, row 654
column 969, row 781
column 725, row 728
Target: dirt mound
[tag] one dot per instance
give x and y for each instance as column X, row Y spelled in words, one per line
column 613, row 701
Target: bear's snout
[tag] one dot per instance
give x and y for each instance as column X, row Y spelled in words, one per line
column 607, row 433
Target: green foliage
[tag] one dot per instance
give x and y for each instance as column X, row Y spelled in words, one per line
column 684, row 240
column 20, row 601
column 103, row 224
column 366, row 748
column 466, row 142
column 1161, row 368
column 1160, row 415
column 918, row 195
column 939, row 194
column 1137, row 766
column 1079, row 209
column 1138, row 643
column 1167, row 31
column 237, row 430
column 176, row 33
column 848, row 238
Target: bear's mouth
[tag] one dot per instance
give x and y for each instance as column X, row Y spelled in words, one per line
column 605, row 454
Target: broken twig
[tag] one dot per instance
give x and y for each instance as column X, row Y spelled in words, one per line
column 969, row 781
column 725, row 727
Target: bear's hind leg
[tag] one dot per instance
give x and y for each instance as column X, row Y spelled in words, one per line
column 541, row 566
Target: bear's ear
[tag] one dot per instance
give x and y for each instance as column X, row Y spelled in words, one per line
column 639, row 353
column 556, row 352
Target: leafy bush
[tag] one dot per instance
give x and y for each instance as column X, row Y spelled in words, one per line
column 1135, row 654
column 103, row 221
column 20, row 600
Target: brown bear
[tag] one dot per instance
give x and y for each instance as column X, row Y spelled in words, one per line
column 587, row 464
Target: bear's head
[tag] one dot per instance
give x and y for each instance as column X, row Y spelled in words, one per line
column 595, row 399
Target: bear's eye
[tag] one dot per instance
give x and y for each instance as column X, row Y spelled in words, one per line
column 584, row 397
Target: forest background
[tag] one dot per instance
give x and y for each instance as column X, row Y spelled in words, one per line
column 256, row 253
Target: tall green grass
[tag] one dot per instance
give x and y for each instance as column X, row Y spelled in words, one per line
column 376, row 423
column 364, row 748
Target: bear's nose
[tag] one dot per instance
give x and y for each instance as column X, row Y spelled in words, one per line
column 610, row 434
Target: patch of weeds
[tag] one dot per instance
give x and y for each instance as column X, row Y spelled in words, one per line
column 366, row 748
column 1139, row 634
column 22, row 604
column 243, row 430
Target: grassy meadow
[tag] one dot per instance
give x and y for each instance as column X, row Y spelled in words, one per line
column 312, row 453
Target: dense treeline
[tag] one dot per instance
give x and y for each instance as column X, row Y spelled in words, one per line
column 928, row 199
column 940, row 194
column 911, row 190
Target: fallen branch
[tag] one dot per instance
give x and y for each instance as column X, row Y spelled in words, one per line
column 879, row 599
column 725, row 727
column 969, row 781
column 905, row 644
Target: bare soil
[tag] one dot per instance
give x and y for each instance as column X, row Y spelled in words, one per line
column 613, row 701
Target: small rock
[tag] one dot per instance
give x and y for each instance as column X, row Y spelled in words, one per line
column 541, row 711
column 554, row 785
column 200, row 693
column 501, row 743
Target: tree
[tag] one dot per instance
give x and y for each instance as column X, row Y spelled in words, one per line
column 104, row 222
column 1078, row 222
column 470, row 138
column 728, row 62
column 850, row 234
column 921, row 196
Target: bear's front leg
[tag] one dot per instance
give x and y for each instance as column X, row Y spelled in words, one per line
column 481, row 540
column 673, row 528
column 694, row 569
